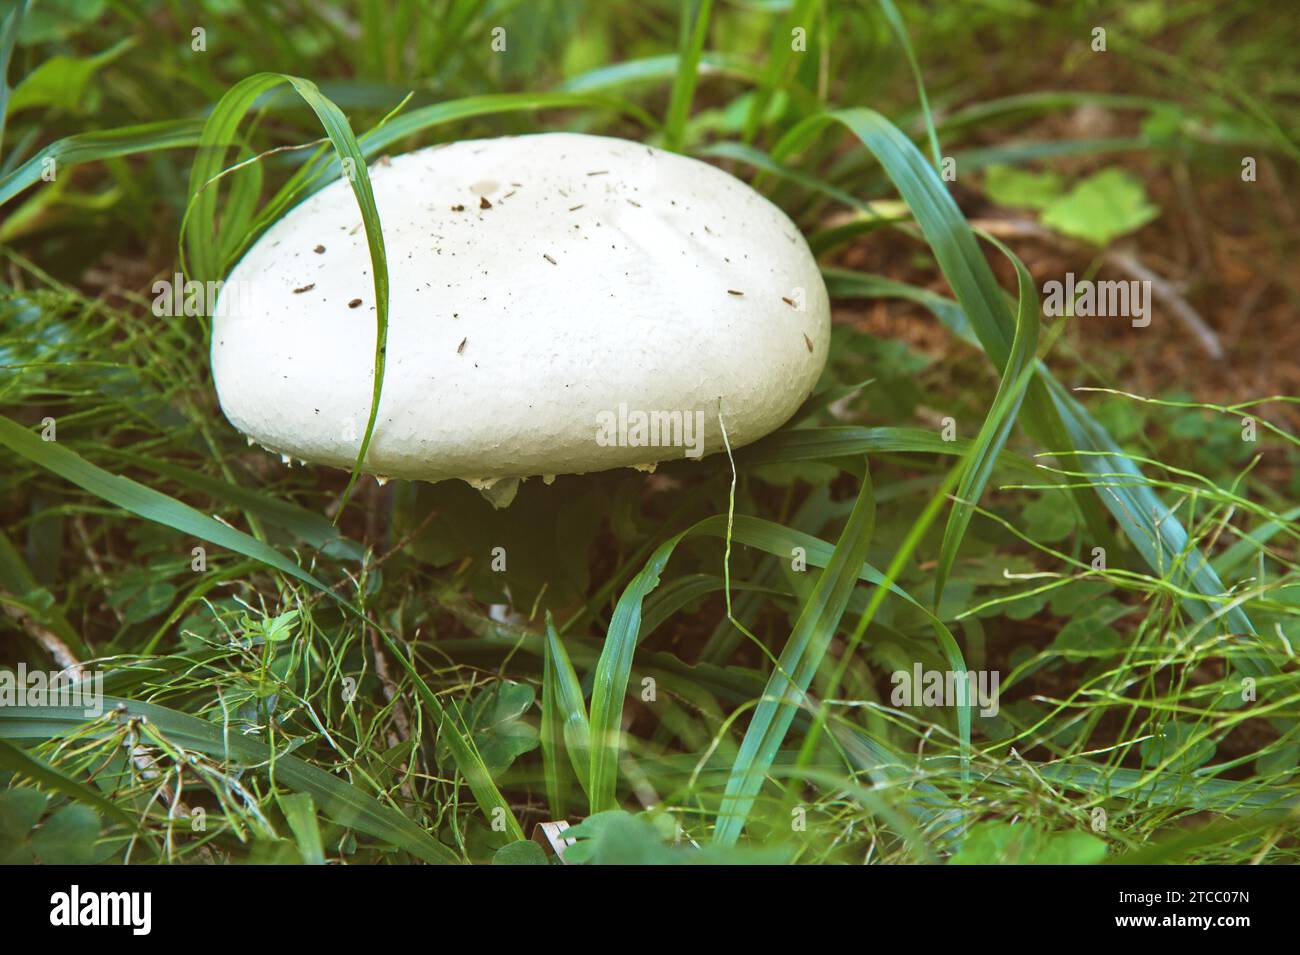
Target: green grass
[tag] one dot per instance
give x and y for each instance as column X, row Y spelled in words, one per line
column 346, row 679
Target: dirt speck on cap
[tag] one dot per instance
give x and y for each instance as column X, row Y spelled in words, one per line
column 319, row 250
column 548, row 258
column 457, row 208
column 788, row 301
column 355, row 303
column 460, row 349
column 732, row 291
column 305, row 288
column 808, row 341
column 483, row 202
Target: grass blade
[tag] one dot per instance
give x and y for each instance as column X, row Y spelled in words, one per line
column 25, row 764
column 612, row 672
column 695, row 31
column 344, row 803
column 8, row 37
column 145, row 502
column 207, row 247
column 778, row 61
column 652, row 68
column 300, row 812
column 101, row 144
column 564, row 719
column 1051, row 415
column 978, row 464
column 895, row 21
column 151, row 505
column 799, row 660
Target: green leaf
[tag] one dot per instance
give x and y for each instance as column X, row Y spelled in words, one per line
column 520, row 852
column 652, row 68
column 140, row 595
column 137, row 499
column 67, row 837
column 53, row 20
column 1001, row 843
column 1281, row 761
column 303, row 524
column 1073, row 847
column 16, row 577
column 20, row 811
column 618, row 837
column 277, row 629
column 1009, row 186
column 61, row 81
column 895, row 21
column 1087, row 636
column 300, row 812
column 1049, row 519
column 1101, row 208
column 498, row 733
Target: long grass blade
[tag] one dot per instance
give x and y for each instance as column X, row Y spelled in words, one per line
column 612, row 672
column 1051, row 415
column 778, row 61
column 802, row 655
column 978, row 464
column 564, row 718
column 13, row 21
column 696, row 15
column 25, row 764
column 101, row 144
column 206, row 247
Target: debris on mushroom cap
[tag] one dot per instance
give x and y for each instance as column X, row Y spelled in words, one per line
column 619, row 300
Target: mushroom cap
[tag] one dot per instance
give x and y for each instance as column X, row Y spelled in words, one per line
column 560, row 303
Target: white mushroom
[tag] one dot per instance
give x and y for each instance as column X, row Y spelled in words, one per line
column 560, row 304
